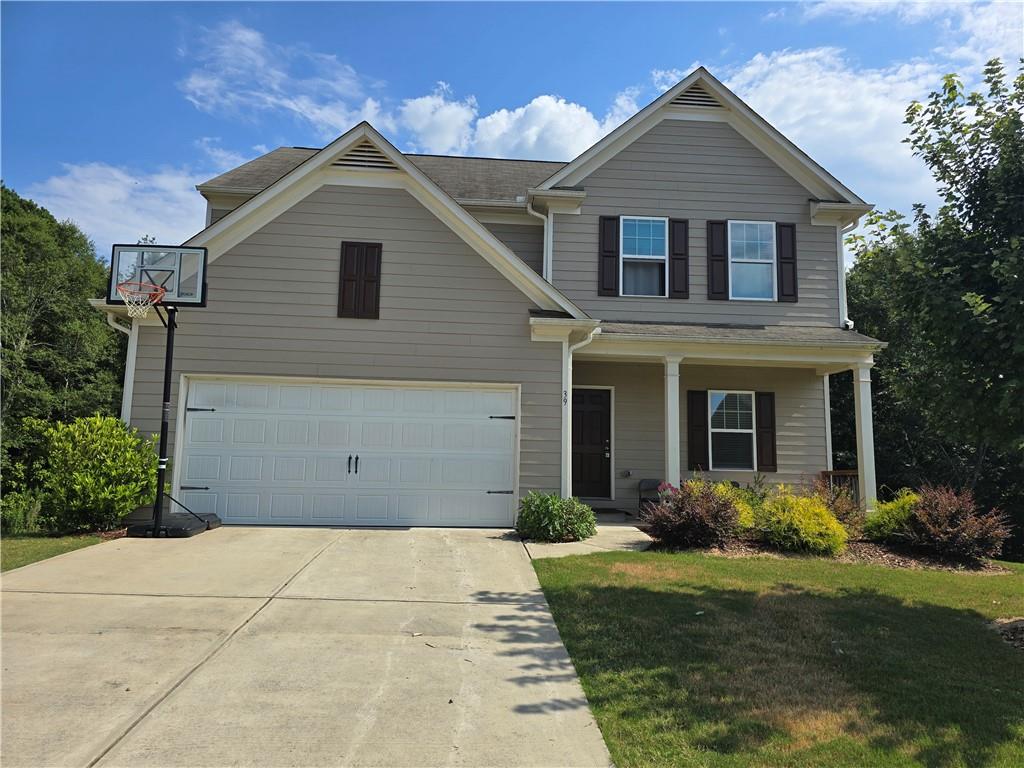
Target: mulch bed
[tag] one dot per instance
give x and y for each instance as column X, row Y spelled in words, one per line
column 865, row 552
column 1012, row 631
column 120, row 533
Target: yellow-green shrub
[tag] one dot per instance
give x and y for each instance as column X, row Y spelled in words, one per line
column 799, row 523
column 743, row 500
column 890, row 518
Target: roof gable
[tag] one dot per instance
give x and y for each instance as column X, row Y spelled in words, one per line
column 363, row 157
column 700, row 96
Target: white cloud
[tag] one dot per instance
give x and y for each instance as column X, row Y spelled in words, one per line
column 239, row 73
column 548, row 127
column 439, row 123
column 664, row 79
column 222, row 159
column 847, row 118
column 116, row 205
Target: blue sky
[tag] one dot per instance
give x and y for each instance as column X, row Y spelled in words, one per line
column 111, row 113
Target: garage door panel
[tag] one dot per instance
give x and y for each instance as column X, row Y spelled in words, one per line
column 276, row 453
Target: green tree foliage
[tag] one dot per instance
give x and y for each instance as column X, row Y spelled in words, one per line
column 947, row 293
column 60, row 359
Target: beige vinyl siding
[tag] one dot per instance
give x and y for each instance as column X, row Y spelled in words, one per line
column 698, row 171
column 445, row 315
column 640, row 408
column 216, row 214
column 525, row 240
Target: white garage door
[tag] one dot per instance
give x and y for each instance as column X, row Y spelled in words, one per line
column 259, row 452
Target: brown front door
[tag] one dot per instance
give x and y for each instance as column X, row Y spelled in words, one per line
column 592, row 443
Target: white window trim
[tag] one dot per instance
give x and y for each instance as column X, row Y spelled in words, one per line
column 623, row 257
column 752, row 431
column 773, row 262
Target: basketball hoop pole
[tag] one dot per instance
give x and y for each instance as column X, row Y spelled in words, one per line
column 165, row 419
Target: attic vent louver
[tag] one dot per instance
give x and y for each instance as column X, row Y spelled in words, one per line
column 695, row 96
column 365, row 155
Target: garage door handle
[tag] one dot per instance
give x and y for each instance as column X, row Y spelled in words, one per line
column 350, row 463
column 357, row 465
column 195, row 487
column 192, row 410
column 504, row 493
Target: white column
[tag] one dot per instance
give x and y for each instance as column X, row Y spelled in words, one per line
column 865, row 435
column 128, row 387
column 828, row 422
column 673, row 469
column 566, row 420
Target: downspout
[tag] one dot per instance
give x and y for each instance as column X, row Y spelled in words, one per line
column 567, row 353
column 549, row 223
column 841, row 233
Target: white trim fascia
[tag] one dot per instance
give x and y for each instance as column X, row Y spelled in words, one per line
column 827, row 213
column 307, row 177
column 558, row 328
column 821, row 359
column 747, row 123
column 128, row 385
column 505, row 217
column 229, row 191
column 611, row 471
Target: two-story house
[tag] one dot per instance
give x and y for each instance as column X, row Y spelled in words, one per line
column 402, row 339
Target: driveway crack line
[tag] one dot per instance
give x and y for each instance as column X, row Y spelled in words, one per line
column 161, row 698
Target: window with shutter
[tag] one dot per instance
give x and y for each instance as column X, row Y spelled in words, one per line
column 359, row 285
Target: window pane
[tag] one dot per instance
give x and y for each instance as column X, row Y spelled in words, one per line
column 643, row 278
column 732, row 450
column 629, row 244
column 643, row 237
column 731, row 411
column 752, row 281
column 629, row 227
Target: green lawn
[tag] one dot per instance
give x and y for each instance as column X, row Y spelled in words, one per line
column 16, row 551
column 689, row 659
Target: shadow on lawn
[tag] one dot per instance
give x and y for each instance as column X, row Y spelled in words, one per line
column 854, row 675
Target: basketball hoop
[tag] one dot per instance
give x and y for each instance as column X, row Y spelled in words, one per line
column 139, row 297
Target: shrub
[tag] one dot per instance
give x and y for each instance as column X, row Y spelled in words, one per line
column 97, row 470
column 800, row 523
column 889, row 519
column 840, row 502
column 19, row 512
column 744, row 499
column 949, row 524
column 696, row 514
column 549, row 517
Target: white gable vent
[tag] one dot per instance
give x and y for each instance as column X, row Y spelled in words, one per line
column 695, row 96
column 365, row 155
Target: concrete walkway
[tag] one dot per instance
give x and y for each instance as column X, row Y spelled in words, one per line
column 611, row 537
column 290, row 647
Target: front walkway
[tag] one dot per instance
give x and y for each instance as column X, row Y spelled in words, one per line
column 615, row 533
column 275, row 647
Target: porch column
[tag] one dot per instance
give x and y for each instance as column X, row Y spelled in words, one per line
column 673, row 469
column 566, row 420
column 865, row 435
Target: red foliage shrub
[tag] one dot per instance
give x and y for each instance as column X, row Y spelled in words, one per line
column 692, row 515
column 948, row 523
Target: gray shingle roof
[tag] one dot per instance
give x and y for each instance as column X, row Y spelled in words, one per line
column 464, row 178
column 782, row 334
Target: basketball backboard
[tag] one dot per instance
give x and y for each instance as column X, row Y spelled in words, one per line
column 180, row 271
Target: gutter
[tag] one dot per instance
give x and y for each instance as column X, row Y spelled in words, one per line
column 549, row 223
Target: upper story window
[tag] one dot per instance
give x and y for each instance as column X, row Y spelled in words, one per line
column 752, row 260
column 732, row 430
column 643, row 253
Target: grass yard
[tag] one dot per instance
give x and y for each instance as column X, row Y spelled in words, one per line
column 16, row 551
column 689, row 659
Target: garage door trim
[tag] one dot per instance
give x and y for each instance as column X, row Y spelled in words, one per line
column 186, row 379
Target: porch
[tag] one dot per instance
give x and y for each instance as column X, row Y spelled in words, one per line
column 655, row 402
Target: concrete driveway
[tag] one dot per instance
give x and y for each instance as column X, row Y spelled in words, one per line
column 290, row 647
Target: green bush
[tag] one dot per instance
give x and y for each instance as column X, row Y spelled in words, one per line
column 745, row 500
column 800, row 524
column 19, row 512
column 548, row 517
column 889, row 520
column 96, row 471
column 696, row 514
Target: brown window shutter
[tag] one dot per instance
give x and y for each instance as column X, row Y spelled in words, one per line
column 359, row 287
column 608, row 257
column 764, row 405
column 718, row 260
column 697, row 429
column 678, row 259
column 785, row 252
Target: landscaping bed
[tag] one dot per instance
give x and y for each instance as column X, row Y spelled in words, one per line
column 694, row 659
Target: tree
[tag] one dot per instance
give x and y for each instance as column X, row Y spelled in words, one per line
column 947, row 293
column 60, row 359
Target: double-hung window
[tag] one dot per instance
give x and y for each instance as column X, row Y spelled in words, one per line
column 643, row 265
column 752, row 260
column 731, row 429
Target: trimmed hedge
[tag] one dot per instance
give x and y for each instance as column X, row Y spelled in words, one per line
column 549, row 517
